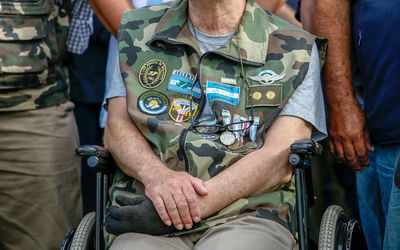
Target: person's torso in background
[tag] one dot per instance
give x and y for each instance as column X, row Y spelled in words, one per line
column 32, row 49
column 376, row 42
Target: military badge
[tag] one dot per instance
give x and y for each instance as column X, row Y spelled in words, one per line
column 222, row 92
column 153, row 103
column 180, row 109
column 231, row 81
column 152, row 74
column 265, row 95
column 183, row 82
column 267, row 77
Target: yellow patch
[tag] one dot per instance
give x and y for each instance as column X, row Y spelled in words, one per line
column 270, row 95
column 256, row 95
column 152, row 74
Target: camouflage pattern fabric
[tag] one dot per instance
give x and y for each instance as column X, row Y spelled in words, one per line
column 161, row 64
column 32, row 48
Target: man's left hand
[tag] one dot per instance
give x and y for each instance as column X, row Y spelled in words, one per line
column 135, row 215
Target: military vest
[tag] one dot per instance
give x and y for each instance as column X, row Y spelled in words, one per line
column 32, row 47
column 168, row 83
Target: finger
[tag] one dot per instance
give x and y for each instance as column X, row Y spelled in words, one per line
column 331, row 146
column 183, row 208
column 370, row 147
column 350, row 157
column 199, row 186
column 172, row 211
column 191, row 199
column 361, row 152
column 125, row 200
column 113, row 226
column 159, row 205
column 339, row 155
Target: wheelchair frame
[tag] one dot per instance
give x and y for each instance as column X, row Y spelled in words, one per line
column 337, row 231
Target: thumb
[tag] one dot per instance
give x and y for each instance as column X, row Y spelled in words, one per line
column 368, row 143
column 199, row 186
column 125, row 200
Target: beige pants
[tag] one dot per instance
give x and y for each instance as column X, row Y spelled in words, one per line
column 40, row 197
column 247, row 233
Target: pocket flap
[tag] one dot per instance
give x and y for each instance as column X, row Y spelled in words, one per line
column 26, row 7
column 13, row 28
column 23, row 57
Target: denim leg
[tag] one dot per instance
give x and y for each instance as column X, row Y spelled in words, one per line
column 369, row 203
column 392, row 231
column 385, row 161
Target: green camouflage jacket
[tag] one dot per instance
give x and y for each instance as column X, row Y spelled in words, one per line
column 165, row 74
column 32, row 48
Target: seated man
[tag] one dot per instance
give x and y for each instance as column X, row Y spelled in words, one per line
column 216, row 92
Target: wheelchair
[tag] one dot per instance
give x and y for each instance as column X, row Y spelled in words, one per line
column 337, row 231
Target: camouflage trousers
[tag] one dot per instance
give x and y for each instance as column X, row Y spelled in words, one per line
column 39, row 178
column 245, row 233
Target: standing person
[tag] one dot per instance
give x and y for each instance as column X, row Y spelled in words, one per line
column 370, row 31
column 192, row 69
column 39, row 173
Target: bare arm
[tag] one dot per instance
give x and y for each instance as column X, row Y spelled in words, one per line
column 348, row 136
column 172, row 193
column 286, row 12
column 110, row 12
column 271, row 5
column 262, row 171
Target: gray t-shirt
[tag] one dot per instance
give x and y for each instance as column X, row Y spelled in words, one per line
column 307, row 101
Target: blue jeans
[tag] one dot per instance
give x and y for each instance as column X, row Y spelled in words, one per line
column 392, row 233
column 374, row 192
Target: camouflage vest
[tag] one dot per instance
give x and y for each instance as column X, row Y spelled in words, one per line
column 165, row 78
column 32, row 47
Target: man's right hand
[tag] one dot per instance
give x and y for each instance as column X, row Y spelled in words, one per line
column 349, row 138
column 174, row 195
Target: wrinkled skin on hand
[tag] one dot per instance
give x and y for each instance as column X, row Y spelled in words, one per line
column 135, row 215
column 349, row 138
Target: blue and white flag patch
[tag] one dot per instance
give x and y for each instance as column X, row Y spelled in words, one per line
column 222, row 92
column 182, row 82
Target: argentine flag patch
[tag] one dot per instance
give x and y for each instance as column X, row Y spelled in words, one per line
column 222, row 92
column 182, row 82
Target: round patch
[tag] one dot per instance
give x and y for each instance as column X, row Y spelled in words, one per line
column 152, row 74
column 153, row 103
column 270, row 95
column 257, row 95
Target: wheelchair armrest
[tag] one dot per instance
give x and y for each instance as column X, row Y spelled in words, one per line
column 306, row 147
column 97, row 157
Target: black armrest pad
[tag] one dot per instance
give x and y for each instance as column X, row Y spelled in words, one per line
column 306, row 147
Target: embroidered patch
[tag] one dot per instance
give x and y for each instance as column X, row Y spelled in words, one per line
column 182, row 82
column 265, row 95
column 180, row 109
column 152, row 74
column 222, row 92
column 153, row 103
column 267, row 77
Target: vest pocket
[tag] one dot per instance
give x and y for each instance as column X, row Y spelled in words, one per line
column 27, row 46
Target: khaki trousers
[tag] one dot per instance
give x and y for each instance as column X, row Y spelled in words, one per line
column 247, row 233
column 40, row 197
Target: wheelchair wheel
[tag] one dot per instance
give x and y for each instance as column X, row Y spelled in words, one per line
column 331, row 228
column 84, row 235
column 339, row 233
